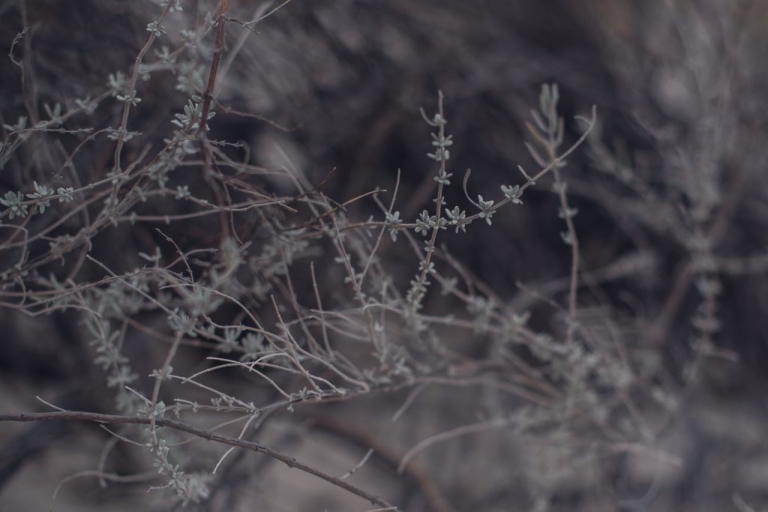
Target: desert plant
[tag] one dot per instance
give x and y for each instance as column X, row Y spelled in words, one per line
column 208, row 297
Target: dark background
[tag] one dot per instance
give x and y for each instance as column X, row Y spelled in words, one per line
column 680, row 93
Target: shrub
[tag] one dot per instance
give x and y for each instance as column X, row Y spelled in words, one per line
column 199, row 295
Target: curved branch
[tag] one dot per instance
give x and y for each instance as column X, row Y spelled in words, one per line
column 204, row 434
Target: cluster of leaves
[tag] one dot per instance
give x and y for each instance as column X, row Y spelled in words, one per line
column 245, row 293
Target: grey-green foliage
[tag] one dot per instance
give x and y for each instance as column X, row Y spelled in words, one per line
column 234, row 300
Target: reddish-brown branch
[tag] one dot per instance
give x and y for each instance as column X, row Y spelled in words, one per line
column 205, row 150
column 208, row 96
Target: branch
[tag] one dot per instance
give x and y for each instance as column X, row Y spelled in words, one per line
column 204, row 434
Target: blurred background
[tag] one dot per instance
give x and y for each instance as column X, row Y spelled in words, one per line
column 672, row 199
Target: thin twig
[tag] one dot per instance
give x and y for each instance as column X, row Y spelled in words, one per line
column 203, row 434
